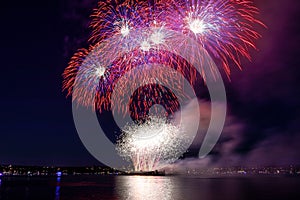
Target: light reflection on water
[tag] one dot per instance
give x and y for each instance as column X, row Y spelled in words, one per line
column 146, row 188
column 57, row 189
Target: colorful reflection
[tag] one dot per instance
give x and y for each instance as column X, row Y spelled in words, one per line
column 57, row 189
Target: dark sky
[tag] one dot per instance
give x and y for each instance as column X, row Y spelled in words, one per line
column 36, row 124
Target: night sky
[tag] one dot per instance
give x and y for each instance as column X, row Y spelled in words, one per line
column 36, row 124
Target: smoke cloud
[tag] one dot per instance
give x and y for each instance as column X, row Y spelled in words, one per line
column 276, row 149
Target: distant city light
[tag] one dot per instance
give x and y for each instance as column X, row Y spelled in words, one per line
column 58, row 173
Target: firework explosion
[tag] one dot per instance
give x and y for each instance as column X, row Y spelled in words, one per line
column 152, row 145
column 129, row 35
column 224, row 28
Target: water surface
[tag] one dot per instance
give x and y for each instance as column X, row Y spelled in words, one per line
column 148, row 187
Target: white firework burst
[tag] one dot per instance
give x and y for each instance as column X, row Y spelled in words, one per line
column 153, row 144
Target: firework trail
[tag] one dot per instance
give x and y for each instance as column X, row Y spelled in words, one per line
column 224, row 28
column 134, row 36
column 152, row 145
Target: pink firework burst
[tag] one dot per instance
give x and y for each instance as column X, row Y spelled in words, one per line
column 133, row 34
column 225, row 28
